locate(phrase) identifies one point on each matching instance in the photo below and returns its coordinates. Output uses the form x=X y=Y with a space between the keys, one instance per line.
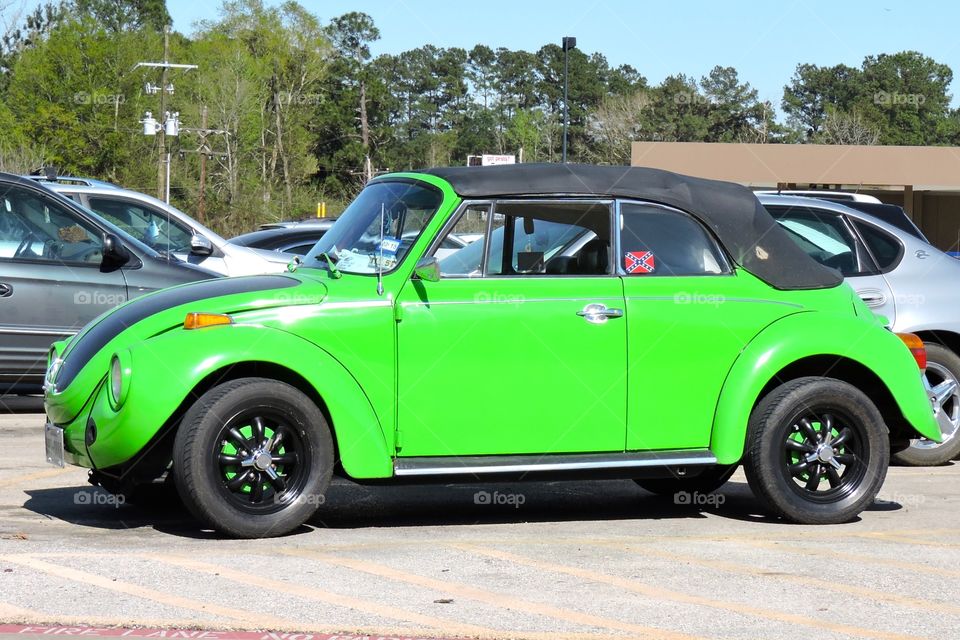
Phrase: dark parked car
x=61 y=266
x=297 y=238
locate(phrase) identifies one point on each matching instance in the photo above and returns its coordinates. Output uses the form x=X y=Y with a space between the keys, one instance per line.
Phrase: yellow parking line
x=312 y=593
x=856 y=558
x=9 y=611
x=906 y=538
x=39 y=475
x=69 y=573
x=829 y=585
x=503 y=601
x=684 y=598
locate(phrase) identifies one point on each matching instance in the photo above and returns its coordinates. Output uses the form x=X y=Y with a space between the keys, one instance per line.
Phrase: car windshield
x=378 y=228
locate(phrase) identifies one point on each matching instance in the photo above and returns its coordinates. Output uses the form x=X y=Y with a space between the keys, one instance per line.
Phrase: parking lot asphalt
x=520 y=560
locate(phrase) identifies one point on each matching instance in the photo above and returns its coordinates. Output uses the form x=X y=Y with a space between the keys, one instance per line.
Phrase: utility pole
x=204 y=149
x=170 y=125
x=568 y=42
x=161 y=136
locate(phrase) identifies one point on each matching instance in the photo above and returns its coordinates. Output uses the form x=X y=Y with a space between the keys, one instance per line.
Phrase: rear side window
x=885 y=248
x=656 y=241
x=824 y=237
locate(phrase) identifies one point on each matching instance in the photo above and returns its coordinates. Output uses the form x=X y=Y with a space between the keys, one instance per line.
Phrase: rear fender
x=810 y=334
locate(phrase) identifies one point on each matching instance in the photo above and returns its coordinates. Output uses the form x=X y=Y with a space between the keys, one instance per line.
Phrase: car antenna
x=380 y=258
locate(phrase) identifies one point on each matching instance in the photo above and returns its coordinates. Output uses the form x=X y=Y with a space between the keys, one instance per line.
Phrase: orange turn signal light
x=197 y=320
x=915 y=344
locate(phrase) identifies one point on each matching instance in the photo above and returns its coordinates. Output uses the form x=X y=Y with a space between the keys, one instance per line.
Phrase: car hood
x=161 y=311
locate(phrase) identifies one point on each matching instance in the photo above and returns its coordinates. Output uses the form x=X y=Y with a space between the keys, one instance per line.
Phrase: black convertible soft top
x=748 y=233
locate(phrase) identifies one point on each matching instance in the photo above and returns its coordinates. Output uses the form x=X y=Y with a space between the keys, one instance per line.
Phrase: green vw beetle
x=600 y=322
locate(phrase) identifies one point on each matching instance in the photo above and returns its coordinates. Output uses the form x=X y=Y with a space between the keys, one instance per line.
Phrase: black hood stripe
x=92 y=340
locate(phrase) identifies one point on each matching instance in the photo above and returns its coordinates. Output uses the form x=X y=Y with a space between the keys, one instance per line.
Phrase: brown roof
x=925 y=168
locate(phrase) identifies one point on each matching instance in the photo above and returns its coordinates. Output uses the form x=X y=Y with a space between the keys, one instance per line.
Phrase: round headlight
x=118 y=384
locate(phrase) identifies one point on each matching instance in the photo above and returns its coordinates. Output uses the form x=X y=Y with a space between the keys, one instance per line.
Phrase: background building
x=925 y=181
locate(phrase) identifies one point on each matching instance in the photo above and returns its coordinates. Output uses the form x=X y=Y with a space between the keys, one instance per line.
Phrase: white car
x=167 y=229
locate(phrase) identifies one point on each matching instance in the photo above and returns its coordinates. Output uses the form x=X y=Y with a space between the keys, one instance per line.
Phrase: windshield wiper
x=331 y=263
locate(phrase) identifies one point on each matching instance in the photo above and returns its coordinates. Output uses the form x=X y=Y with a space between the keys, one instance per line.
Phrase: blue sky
x=764 y=40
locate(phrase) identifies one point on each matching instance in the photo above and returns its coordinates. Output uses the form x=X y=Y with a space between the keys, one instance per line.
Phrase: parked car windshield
x=378 y=228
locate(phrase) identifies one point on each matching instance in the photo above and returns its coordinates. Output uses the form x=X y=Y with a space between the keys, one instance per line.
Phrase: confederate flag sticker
x=639 y=262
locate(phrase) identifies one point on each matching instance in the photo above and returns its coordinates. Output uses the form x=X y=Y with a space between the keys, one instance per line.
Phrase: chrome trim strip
x=719 y=299
x=508 y=299
x=458 y=465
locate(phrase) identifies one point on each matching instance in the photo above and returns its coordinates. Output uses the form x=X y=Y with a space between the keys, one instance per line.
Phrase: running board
x=475 y=465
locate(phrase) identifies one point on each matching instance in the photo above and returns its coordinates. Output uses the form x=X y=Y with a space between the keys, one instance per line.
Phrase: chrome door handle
x=872 y=298
x=597 y=313
x=6 y=290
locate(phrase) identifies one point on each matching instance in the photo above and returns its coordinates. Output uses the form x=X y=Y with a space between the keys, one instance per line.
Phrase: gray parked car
x=900 y=276
x=60 y=267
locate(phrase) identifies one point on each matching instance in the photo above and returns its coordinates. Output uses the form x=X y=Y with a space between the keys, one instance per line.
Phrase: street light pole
x=568 y=42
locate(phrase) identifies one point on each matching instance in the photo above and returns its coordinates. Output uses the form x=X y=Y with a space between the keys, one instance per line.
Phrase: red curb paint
x=182 y=634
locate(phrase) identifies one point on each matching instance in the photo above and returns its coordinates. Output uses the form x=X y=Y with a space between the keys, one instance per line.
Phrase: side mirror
x=200 y=245
x=428 y=268
x=115 y=254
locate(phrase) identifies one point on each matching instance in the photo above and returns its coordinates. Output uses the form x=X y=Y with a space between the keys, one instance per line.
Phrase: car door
x=689 y=315
x=50 y=279
x=519 y=347
x=828 y=238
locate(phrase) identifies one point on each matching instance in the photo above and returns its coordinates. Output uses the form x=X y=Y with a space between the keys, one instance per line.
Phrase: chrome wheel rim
x=260 y=461
x=943 y=389
x=824 y=456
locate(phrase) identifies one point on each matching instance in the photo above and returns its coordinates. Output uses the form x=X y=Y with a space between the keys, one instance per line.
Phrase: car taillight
x=915 y=344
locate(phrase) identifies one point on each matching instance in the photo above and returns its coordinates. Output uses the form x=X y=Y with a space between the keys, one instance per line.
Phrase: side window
x=885 y=248
x=151 y=226
x=824 y=237
x=551 y=238
x=33 y=227
x=460 y=252
x=656 y=241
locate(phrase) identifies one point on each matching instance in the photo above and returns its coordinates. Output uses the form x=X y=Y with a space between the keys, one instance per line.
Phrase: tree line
x=299 y=110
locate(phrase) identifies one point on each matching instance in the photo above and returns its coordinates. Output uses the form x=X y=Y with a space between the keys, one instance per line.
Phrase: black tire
x=941 y=364
x=708 y=481
x=230 y=442
x=792 y=423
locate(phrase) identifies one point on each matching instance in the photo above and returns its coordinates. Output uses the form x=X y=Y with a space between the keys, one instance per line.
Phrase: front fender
x=159 y=382
x=802 y=335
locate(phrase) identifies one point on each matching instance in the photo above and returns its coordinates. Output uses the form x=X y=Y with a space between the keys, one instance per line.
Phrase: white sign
x=490 y=159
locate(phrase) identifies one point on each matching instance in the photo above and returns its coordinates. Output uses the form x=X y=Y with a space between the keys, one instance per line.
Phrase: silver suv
x=900 y=276
x=166 y=228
